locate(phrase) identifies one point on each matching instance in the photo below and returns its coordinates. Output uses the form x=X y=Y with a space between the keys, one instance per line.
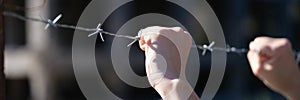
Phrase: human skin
x=166 y=51
x=275 y=65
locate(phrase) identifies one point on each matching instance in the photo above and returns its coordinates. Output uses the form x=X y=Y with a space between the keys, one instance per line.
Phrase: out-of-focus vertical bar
x=37 y=41
x=2 y=77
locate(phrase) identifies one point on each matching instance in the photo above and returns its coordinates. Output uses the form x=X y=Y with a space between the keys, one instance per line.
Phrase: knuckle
x=285 y=42
x=263 y=39
x=177 y=29
x=282 y=44
x=259 y=39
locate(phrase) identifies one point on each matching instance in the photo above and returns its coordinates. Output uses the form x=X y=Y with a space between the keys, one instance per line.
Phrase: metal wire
x=100 y=31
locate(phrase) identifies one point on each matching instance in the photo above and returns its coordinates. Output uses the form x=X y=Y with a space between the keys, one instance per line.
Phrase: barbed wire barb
x=100 y=31
x=50 y=22
x=138 y=37
x=211 y=47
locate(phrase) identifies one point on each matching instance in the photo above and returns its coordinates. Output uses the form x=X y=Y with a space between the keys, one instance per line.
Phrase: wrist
x=293 y=92
x=166 y=86
x=177 y=89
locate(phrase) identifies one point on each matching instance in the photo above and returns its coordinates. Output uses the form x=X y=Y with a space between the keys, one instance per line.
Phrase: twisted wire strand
x=100 y=31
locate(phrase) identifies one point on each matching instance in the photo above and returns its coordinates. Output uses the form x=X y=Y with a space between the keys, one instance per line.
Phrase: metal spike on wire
x=54 y=23
x=100 y=31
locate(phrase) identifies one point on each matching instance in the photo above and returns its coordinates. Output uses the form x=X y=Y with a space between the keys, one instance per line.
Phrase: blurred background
x=38 y=62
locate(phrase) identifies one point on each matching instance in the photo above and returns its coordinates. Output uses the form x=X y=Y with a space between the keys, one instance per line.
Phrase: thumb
x=259 y=62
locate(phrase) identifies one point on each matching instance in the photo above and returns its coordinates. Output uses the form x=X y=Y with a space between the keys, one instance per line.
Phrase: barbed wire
x=98 y=30
x=54 y=23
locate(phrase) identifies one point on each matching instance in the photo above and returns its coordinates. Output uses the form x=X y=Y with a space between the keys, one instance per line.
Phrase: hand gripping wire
x=211 y=47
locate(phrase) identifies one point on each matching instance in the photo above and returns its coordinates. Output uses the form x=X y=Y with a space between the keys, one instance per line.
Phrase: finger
x=251 y=45
x=178 y=29
x=254 y=62
x=262 y=39
x=142 y=43
x=258 y=65
x=262 y=49
x=259 y=42
x=151 y=30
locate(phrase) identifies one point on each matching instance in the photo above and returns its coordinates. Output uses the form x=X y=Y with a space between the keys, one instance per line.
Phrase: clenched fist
x=167 y=50
x=272 y=61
